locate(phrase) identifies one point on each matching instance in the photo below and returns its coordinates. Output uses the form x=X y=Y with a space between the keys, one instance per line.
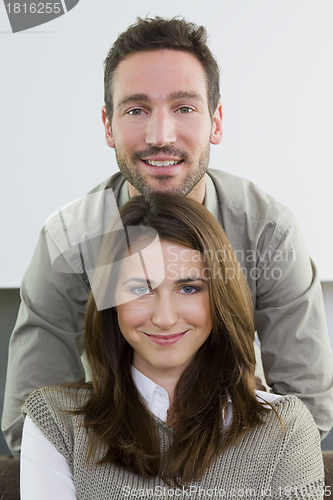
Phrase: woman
x=172 y=408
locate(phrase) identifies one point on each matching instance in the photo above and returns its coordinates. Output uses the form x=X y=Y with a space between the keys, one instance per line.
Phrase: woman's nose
x=164 y=313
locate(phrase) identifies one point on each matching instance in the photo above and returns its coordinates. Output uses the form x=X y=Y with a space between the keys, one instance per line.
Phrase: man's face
x=161 y=128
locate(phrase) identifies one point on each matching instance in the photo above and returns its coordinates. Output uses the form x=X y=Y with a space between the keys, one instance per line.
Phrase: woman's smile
x=166 y=340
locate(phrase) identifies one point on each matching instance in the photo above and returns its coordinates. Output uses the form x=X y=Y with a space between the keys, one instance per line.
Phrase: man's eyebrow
x=180 y=94
x=189 y=280
x=133 y=98
x=184 y=95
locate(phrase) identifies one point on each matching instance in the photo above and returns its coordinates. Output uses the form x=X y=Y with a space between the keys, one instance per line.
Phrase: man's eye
x=185 y=109
x=142 y=290
x=188 y=289
x=135 y=112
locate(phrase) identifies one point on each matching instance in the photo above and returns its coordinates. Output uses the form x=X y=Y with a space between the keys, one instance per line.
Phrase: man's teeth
x=165 y=163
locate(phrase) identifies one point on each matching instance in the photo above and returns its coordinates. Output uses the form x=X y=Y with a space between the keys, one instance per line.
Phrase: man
x=161 y=114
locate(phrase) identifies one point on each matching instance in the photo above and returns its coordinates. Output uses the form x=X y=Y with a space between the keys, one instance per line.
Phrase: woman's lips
x=166 y=340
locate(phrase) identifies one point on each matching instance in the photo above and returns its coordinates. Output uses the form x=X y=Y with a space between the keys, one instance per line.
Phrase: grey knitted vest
x=269 y=462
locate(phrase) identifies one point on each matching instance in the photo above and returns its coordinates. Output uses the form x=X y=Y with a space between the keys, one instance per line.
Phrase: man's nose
x=164 y=314
x=160 y=129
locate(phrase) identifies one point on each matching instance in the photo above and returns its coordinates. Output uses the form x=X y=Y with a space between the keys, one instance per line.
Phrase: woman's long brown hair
x=222 y=370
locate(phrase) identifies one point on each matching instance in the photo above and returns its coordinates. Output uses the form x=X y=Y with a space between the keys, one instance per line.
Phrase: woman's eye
x=142 y=290
x=188 y=289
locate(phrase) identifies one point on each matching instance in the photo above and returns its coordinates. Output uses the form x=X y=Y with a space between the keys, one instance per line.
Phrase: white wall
x=277 y=80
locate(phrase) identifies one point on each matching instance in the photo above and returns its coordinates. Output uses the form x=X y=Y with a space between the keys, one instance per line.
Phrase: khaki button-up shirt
x=46 y=344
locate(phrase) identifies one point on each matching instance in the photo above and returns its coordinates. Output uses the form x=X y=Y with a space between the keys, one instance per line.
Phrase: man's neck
x=197 y=193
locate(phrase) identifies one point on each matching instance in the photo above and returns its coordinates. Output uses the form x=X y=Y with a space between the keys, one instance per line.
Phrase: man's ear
x=216 y=134
x=107 y=128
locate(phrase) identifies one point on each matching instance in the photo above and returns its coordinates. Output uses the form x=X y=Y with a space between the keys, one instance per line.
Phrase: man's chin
x=146 y=190
x=145 y=185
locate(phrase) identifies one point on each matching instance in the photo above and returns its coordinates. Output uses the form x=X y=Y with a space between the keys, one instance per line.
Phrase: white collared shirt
x=155 y=397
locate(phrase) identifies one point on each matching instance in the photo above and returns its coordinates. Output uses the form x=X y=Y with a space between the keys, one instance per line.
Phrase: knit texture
x=268 y=463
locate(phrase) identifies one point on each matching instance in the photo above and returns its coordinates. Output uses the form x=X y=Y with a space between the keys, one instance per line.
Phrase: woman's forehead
x=159 y=260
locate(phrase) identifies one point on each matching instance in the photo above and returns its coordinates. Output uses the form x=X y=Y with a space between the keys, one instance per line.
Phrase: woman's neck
x=167 y=379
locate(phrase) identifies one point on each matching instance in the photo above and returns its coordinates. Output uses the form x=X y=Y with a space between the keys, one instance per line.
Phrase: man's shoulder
x=114 y=182
x=82 y=223
x=238 y=197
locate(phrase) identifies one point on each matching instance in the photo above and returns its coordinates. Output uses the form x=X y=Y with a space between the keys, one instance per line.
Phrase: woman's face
x=165 y=324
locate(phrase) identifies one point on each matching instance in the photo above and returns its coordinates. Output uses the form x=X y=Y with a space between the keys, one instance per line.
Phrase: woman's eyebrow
x=142 y=281
x=189 y=280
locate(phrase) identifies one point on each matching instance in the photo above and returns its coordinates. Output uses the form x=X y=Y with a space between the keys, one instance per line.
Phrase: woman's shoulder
x=288 y=404
x=64 y=398
x=52 y=410
x=295 y=418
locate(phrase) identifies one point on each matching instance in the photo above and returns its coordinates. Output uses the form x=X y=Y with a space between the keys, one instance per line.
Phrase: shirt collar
x=211 y=201
x=155 y=397
x=123 y=194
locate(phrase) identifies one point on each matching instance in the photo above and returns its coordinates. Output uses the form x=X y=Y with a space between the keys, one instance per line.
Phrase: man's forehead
x=173 y=73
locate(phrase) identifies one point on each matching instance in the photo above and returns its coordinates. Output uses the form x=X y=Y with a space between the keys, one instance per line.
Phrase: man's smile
x=162 y=168
x=162 y=163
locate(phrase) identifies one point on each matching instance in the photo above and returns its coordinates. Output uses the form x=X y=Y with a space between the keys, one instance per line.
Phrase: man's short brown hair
x=157 y=33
